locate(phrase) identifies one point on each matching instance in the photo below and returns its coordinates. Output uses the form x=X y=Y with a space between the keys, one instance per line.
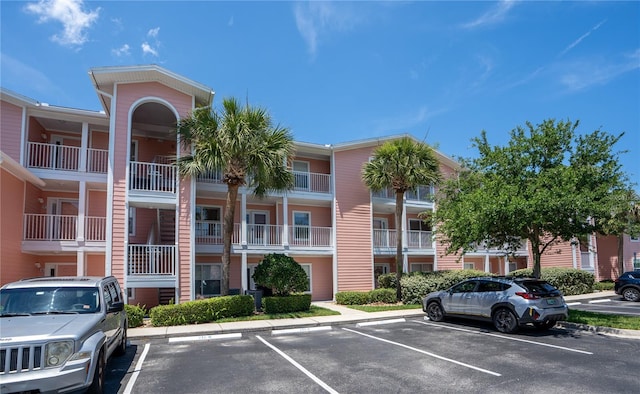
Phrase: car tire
x=545 y=325
x=97 y=385
x=435 y=312
x=505 y=321
x=122 y=346
x=631 y=294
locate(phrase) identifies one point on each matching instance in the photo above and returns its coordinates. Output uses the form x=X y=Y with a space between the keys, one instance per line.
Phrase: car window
x=491 y=286
x=539 y=287
x=464 y=287
x=108 y=299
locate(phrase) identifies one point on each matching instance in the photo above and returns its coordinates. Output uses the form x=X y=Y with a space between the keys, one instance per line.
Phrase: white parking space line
x=598 y=301
x=424 y=352
x=573 y=303
x=300 y=367
x=504 y=337
x=380 y=322
x=300 y=330
x=136 y=371
x=205 y=337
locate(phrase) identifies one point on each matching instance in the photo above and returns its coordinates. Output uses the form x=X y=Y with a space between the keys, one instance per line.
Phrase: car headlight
x=57 y=353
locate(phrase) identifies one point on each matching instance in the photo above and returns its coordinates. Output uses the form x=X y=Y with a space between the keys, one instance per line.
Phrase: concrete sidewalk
x=347 y=316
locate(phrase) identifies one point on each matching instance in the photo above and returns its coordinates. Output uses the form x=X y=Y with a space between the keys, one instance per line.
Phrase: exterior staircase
x=167 y=225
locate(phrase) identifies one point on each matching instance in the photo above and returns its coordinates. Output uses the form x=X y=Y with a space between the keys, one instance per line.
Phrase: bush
x=202 y=311
x=282 y=274
x=417 y=285
x=387 y=281
x=135 y=315
x=287 y=304
x=387 y=296
x=569 y=281
x=352 y=297
x=604 y=285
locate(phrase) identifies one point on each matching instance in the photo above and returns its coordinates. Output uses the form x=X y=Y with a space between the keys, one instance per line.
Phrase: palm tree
x=243 y=145
x=401 y=165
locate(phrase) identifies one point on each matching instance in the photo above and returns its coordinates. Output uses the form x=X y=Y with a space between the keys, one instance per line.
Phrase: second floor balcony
x=265 y=235
x=55 y=232
x=384 y=239
x=49 y=156
x=302 y=181
x=152 y=177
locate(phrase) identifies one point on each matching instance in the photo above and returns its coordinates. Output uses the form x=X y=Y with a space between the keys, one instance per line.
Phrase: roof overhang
x=7 y=163
x=104 y=80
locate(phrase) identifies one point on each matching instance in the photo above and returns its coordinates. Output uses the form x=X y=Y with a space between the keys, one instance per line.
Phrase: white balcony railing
x=311 y=182
x=310 y=236
x=47 y=227
x=152 y=177
x=264 y=234
x=422 y=193
x=208 y=232
x=65 y=158
x=151 y=260
x=414 y=239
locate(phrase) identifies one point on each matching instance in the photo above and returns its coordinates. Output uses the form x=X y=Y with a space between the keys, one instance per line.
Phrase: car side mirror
x=116 y=307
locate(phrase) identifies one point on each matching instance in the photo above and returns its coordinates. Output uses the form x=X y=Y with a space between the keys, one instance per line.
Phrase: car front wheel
x=505 y=321
x=435 y=312
x=631 y=294
x=97 y=385
x=122 y=345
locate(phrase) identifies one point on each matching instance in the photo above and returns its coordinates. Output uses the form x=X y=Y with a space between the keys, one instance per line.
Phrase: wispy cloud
x=122 y=51
x=582 y=37
x=317 y=19
x=230 y=22
x=26 y=78
x=151 y=49
x=581 y=75
x=406 y=122
x=496 y=14
x=70 y=13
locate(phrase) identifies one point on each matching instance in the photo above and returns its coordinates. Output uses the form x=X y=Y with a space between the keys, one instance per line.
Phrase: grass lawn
x=604 y=320
x=313 y=311
x=382 y=308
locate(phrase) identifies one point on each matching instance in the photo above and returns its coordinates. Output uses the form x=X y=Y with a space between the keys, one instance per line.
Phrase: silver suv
x=56 y=333
x=507 y=302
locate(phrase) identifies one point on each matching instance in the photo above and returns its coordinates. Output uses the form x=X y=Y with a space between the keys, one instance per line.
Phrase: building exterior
x=94 y=192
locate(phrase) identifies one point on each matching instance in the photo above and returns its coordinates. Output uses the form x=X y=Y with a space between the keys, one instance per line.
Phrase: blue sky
x=340 y=71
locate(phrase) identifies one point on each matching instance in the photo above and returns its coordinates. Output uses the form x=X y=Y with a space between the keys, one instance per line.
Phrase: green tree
x=282 y=274
x=624 y=220
x=242 y=144
x=401 y=165
x=547 y=185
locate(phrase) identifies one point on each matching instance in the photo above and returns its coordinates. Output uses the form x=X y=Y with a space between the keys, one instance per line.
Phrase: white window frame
x=421 y=267
x=131 y=222
x=293 y=220
x=384 y=223
x=634 y=239
x=307 y=269
x=468 y=266
x=297 y=172
x=200 y=207
x=219 y=265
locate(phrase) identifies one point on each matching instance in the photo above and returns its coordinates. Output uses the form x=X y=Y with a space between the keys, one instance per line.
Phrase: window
x=132 y=221
x=207 y=282
x=419 y=225
x=421 y=267
x=468 y=266
x=301 y=175
x=492 y=286
x=635 y=239
x=131 y=293
x=464 y=287
x=301 y=225
x=208 y=221
x=307 y=270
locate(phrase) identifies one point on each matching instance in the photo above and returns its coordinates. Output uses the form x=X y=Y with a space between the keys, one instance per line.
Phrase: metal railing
x=46 y=227
x=97 y=160
x=422 y=193
x=208 y=232
x=152 y=177
x=95 y=228
x=151 y=260
x=264 y=234
x=52 y=156
x=311 y=182
x=414 y=239
x=310 y=236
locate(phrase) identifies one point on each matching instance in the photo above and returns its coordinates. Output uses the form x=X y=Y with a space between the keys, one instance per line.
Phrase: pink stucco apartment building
x=94 y=193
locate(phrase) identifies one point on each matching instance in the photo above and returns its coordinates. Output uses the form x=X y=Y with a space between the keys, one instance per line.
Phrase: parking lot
x=612 y=305
x=400 y=355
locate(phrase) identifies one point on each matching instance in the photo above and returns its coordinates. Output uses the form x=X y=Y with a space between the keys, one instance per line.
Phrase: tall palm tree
x=401 y=165
x=243 y=145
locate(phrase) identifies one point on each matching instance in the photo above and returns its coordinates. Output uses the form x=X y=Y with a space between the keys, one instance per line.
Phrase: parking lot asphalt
x=347 y=316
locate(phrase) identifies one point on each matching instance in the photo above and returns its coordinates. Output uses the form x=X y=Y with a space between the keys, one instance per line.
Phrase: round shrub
x=386 y=296
x=282 y=274
x=387 y=281
x=352 y=297
x=135 y=315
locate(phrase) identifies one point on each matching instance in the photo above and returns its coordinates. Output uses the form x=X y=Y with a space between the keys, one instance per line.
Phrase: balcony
x=65 y=158
x=414 y=239
x=46 y=227
x=422 y=193
x=302 y=181
x=152 y=177
x=265 y=235
x=151 y=265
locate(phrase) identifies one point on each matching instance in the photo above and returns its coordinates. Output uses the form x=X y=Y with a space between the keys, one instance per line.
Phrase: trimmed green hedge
x=202 y=311
x=387 y=296
x=286 y=304
x=135 y=315
x=569 y=281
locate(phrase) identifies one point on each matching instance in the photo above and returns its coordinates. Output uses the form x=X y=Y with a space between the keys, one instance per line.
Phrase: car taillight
x=527 y=296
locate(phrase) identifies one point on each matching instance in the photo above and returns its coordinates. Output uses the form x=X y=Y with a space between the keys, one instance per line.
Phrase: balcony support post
x=82 y=203
x=285 y=221
x=84 y=145
x=80 y=263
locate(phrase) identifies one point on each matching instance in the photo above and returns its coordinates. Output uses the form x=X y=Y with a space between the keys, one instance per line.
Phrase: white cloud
x=22 y=78
x=495 y=15
x=582 y=37
x=581 y=75
x=317 y=19
x=147 y=49
x=404 y=123
x=122 y=51
x=70 y=13
x=153 y=32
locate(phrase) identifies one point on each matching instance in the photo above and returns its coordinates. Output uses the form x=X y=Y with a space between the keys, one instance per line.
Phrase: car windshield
x=48 y=300
x=540 y=288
